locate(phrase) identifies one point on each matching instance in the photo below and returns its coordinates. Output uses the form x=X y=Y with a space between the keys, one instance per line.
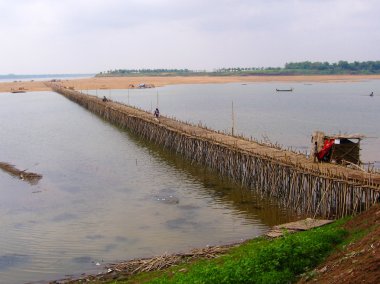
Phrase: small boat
x=284 y=90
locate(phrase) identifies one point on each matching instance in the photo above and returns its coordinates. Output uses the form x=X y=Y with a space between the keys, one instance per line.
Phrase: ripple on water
x=64 y=217
x=83 y=259
x=167 y=196
x=189 y=207
x=167 y=199
x=8 y=261
x=180 y=223
x=95 y=237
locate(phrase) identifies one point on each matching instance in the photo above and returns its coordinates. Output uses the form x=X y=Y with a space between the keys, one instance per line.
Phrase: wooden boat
x=284 y=90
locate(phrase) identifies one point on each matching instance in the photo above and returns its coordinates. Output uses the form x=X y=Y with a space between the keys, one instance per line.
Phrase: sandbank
x=27 y=86
x=126 y=82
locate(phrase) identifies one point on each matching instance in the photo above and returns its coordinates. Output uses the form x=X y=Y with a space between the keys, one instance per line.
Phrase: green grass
x=257 y=261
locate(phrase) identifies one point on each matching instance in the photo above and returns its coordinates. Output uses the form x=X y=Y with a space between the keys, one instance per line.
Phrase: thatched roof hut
x=336 y=148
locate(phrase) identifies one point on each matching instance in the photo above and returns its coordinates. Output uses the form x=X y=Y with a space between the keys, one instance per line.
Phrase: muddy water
x=105 y=195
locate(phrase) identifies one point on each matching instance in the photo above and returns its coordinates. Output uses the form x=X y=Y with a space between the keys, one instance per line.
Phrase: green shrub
x=264 y=261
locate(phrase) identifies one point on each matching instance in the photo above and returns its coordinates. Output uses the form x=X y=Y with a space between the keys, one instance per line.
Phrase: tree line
x=341 y=66
x=291 y=68
x=145 y=71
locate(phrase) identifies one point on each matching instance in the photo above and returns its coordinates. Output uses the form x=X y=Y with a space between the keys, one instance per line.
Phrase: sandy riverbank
x=125 y=82
x=27 y=86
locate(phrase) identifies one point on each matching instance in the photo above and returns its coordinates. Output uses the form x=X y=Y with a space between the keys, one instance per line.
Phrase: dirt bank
x=125 y=82
x=357 y=262
x=124 y=270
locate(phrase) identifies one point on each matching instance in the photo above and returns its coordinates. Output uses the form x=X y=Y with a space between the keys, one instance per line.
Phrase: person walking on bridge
x=315 y=152
x=157 y=113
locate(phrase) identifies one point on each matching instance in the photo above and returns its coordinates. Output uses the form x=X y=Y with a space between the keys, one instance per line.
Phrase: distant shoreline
x=158 y=81
x=11 y=77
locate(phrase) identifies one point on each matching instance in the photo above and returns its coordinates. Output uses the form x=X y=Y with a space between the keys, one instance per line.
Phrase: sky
x=90 y=36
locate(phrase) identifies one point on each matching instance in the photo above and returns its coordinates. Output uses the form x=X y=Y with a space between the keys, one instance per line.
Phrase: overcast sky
x=80 y=36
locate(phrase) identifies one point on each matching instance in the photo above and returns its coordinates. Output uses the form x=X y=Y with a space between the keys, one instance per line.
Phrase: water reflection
x=247 y=202
x=12 y=260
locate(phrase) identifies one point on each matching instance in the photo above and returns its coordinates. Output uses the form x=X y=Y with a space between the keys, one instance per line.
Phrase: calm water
x=105 y=195
x=288 y=118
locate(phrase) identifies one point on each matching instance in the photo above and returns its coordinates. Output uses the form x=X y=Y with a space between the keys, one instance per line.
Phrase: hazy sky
x=78 y=36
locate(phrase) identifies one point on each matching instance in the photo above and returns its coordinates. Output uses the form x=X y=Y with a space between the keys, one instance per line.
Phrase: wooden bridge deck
x=254 y=148
x=280 y=155
x=318 y=189
x=251 y=147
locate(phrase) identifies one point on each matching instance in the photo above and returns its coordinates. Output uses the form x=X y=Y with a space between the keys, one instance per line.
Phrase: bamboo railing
x=315 y=189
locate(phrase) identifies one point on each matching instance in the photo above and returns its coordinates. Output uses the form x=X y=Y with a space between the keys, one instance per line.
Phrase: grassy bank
x=343 y=252
x=257 y=261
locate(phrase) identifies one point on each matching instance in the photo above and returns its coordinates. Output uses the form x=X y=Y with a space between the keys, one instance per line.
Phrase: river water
x=105 y=194
x=287 y=118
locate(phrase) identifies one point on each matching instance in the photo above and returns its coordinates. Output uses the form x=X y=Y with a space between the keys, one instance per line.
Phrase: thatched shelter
x=337 y=148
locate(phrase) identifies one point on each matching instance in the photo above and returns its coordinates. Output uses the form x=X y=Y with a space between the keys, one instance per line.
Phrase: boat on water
x=284 y=90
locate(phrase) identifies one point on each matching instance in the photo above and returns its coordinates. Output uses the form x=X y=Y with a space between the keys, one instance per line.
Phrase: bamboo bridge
x=316 y=189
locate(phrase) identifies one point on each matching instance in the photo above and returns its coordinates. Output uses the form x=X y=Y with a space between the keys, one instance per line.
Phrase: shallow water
x=105 y=195
x=288 y=118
